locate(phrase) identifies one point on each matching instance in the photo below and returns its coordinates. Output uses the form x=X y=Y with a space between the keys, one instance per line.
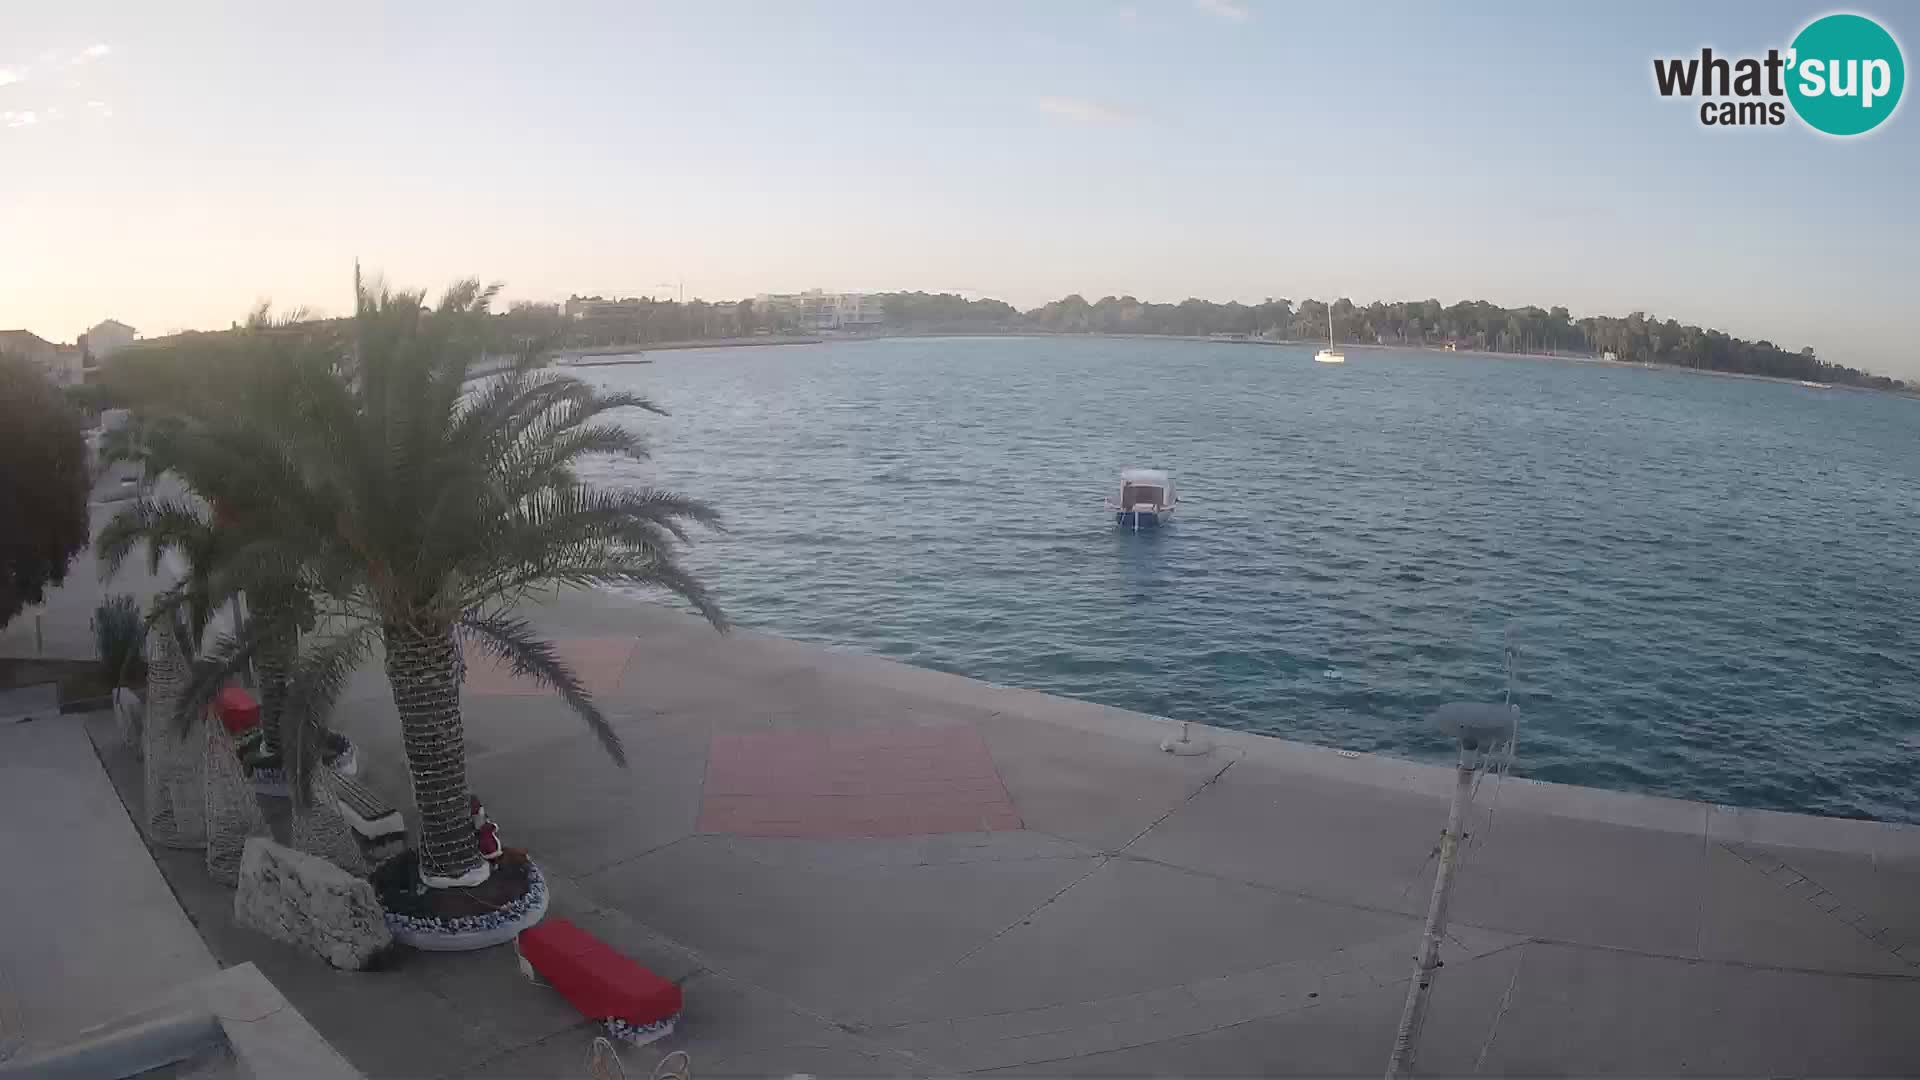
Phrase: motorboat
x=1146 y=499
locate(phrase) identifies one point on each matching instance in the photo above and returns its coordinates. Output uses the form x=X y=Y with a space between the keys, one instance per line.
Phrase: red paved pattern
x=599 y=662
x=902 y=781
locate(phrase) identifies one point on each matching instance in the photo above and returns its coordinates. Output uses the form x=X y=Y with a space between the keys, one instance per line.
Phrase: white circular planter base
x=476 y=931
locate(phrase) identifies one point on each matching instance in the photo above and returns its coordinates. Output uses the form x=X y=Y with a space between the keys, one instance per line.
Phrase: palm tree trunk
x=423 y=670
x=272 y=663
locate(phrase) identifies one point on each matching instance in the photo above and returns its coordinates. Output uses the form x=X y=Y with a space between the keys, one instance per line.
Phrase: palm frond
x=162 y=524
x=314 y=684
x=520 y=408
x=616 y=571
x=550 y=463
x=512 y=640
x=636 y=518
x=549 y=535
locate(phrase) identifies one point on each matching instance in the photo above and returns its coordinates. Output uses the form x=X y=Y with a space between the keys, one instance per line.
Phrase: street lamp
x=1483 y=732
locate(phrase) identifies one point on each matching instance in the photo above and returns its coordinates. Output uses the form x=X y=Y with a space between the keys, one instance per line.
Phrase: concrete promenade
x=857 y=867
x=90 y=928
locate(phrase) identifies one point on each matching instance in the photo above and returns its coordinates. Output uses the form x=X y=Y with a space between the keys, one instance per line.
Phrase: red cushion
x=238 y=711
x=593 y=978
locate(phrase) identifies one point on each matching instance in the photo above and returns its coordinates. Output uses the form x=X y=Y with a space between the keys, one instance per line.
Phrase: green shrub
x=43 y=486
x=121 y=634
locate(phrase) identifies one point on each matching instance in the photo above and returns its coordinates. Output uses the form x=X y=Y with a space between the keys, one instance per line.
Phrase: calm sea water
x=1711 y=582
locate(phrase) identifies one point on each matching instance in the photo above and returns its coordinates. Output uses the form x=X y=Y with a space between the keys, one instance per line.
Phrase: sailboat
x=1328 y=355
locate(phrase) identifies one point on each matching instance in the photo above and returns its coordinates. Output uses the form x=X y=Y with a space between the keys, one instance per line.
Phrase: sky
x=172 y=165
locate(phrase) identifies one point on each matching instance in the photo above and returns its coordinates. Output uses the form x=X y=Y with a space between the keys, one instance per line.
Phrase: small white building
x=107 y=338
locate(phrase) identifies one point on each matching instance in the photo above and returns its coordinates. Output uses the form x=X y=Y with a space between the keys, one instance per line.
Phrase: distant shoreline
x=574 y=355
x=1572 y=358
x=641 y=347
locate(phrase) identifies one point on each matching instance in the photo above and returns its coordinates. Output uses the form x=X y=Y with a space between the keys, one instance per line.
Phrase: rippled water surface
x=1710 y=581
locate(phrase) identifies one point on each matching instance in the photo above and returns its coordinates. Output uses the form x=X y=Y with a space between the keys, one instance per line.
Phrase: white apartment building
x=817 y=309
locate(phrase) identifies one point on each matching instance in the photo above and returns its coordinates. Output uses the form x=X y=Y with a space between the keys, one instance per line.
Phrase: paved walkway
x=90 y=928
x=855 y=867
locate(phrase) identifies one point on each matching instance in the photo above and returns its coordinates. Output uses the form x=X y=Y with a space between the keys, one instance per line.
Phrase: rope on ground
x=683 y=1070
x=603 y=1063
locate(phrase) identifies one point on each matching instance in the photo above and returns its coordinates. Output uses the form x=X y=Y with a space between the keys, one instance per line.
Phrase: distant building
x=816 y=309
x=26 y=343
x=106 y=338
x=69 y=366
x=61 y=364
x=854 y=311
x=596 y=307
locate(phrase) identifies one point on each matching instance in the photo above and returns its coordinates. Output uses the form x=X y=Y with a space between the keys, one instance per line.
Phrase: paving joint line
x=1853 y=918
x=1101 y=861
x=1239 y=755
x=1296 y=894
x=1745 y=965
x=654 y=850
x=1506 y=1002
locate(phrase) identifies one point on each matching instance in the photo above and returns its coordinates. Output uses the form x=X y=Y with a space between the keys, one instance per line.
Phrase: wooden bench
x=634 y=1003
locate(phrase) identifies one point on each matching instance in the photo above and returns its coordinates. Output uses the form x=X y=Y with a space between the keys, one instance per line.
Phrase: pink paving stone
x=599 y=662
x=900 y=781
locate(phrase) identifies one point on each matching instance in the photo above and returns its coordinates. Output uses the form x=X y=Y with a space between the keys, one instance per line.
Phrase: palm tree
x=203 y=430
x=426 y=508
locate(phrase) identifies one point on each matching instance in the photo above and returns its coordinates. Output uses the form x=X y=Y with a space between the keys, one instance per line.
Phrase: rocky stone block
x=307 y=901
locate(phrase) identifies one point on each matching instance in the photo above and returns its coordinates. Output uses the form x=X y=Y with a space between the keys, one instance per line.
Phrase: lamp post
x=679 y=301
x=1480 y=731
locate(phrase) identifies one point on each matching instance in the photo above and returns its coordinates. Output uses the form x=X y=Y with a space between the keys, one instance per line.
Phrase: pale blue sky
x=212 y=155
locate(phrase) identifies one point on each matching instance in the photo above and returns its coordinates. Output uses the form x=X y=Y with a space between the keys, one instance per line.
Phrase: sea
x=1708 y=584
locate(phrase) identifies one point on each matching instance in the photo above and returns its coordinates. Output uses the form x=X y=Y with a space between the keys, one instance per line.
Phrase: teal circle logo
x=1845 y=74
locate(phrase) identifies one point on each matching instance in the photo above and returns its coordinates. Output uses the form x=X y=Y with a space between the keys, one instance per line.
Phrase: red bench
x=633 y=1002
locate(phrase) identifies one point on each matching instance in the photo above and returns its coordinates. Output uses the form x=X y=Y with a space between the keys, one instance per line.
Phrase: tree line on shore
x=1470 y=324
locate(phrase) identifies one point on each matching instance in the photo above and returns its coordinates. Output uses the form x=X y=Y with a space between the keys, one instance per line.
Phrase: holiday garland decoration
x=410 y=928
x=640 y=1034
x=402 y=883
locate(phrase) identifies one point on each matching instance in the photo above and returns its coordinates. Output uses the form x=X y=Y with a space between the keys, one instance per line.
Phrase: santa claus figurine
x=485 y=832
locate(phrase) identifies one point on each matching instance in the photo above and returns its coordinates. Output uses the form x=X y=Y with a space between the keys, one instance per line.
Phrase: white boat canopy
x=1145 y=487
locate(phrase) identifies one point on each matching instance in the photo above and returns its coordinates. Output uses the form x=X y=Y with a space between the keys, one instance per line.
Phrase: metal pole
x=1428 y=961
